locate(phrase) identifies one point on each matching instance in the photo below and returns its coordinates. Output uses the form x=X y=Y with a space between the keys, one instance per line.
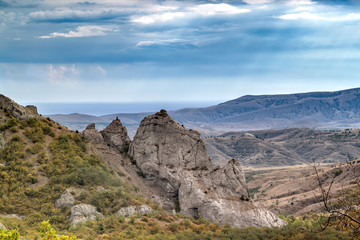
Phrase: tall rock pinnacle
x=116 y=135
x=176 y=161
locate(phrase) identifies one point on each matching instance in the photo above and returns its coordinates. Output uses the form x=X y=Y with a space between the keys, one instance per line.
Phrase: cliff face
x=175 y=160
x=17 y=110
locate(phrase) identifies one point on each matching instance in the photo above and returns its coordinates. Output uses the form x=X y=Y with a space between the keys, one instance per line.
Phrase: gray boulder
x=115 y=135
x=2 y=226
x=90 y=133
x=141 y=210
x=83 y=212
x=176 y=163
x=66 y=200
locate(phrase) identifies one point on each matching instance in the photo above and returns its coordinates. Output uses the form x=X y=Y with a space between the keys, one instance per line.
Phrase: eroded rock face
x=66 y=200
x=115 y=135
x=17 y=110
x=91 y=134
x=176 y=161
x=127 y=211
x=83 y=212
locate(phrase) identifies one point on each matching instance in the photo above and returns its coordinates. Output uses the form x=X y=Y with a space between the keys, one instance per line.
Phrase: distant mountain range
x=318 y=110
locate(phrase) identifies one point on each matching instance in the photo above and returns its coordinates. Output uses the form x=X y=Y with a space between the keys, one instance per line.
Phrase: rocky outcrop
x=17 y=110
x=12 y=216
x=66 y=200
x=115 y=135
x=141 y=210
x=2 y=140
x=175 y=161
x=91 y=134
x=83 y=212
x=2 y=226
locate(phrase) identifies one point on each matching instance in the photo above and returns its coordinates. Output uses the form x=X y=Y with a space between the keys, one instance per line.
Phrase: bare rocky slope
x=285 y=147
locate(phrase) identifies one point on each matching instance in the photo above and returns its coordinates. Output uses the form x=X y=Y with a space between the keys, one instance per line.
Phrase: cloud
x=216 y=9
x=83 y=31
x=6 y=17
x=161 y=42
x=300 y=2
x=297 y=2
x=62 y=74
x=198 y=10
x=154 y=18
x=324 y=17
x=74 y=15
x=257 y=1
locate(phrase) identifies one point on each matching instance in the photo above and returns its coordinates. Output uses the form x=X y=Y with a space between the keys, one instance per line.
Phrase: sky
x=133 y=51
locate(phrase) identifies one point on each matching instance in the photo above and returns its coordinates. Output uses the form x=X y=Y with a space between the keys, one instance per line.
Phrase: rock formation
x=175 y=161
x=91 y=134
x=127 y=211
x=83 y=212
x=17 y=110
x=115 y=135
x=12 y=216
x=66 y=200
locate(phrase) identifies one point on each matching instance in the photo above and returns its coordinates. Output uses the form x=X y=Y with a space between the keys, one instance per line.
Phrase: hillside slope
x=285 y=147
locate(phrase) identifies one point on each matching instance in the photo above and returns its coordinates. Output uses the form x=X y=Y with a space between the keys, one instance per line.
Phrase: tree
x=342 y=207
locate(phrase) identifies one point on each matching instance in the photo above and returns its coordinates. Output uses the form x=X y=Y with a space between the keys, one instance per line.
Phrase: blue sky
x=175 y=51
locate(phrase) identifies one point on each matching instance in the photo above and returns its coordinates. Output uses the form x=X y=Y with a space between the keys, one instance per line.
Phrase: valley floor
x=294 y=190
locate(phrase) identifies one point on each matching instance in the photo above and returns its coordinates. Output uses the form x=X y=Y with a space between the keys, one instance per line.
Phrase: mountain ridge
x=318 y=110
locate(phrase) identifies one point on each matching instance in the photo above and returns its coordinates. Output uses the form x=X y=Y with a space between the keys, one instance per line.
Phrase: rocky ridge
x=175 y=162
x=17 y=110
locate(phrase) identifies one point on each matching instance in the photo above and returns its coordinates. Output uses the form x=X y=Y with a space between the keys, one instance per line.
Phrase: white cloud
x=67 y=13
x=100 y=2
x=198 y=10
x=302 y=15
x=215 y=9
x=324 y=17
x=154 y=18
x=158 y=42
x=83 y=31
x=300 y=2
x=297 y=2
x=257 y=1
x=62 y=74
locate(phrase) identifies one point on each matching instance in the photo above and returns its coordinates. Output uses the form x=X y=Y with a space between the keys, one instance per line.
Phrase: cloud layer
x=145 y=45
